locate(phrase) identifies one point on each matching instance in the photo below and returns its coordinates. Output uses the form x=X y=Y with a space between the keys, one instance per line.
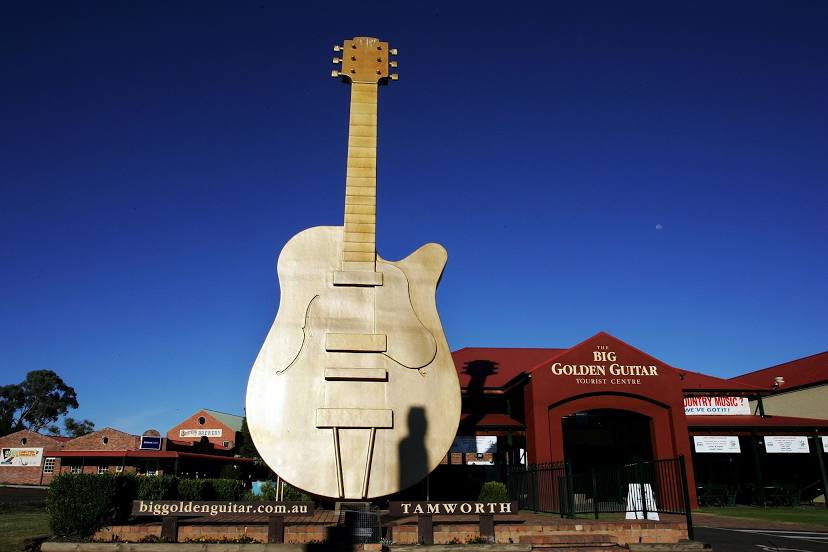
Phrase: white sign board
x=825 y=444
x=717 y=443
x=199 y=433
x=480 y=444
x=716 y=406
x=634 y=506
x=787 y=444
x=21 y=456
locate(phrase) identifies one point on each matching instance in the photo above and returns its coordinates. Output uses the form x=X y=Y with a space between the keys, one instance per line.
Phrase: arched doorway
x=603 y=438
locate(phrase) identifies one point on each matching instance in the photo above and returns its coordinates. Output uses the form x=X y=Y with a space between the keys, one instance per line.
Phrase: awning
x=756 y=422
x=490 y=421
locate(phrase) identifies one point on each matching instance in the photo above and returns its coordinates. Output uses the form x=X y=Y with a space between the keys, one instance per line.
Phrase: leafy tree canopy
x=36 y=402
x=73 y=428
x=247 y=448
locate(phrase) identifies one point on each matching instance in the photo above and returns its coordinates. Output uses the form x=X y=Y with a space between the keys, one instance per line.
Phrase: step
x=457 y=548
x=681 y=546
x=555 y=539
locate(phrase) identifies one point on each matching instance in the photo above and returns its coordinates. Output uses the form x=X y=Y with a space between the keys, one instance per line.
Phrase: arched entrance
x=603 y=438
x=657 y=416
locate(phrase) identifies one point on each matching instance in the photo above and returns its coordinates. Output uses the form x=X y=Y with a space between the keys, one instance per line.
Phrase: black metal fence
x=641 y=488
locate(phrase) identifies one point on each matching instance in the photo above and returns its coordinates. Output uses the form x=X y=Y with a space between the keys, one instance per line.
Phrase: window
x=77 y=468
x=226 y=444
x=105 y=440
x=49 y=465
x=119 y=469
x=103 y=469
x=23 y=441
x=201 y=420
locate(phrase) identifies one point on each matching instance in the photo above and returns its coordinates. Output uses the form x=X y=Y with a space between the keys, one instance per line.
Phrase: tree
x=36 y=402
x=247 y=447
x=75 y=428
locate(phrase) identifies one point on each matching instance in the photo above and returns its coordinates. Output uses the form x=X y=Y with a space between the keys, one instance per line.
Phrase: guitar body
x=354 y=393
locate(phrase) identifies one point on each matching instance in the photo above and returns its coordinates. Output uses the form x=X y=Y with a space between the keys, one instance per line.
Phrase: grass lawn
x=816 y=516
x=15 y=526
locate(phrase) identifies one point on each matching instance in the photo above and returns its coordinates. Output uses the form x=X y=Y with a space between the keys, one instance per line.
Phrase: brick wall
x=26 y=475
x=105 y=439
x=210 y=422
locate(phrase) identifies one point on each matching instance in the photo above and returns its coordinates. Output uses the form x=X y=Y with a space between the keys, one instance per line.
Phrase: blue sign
x=150 y=443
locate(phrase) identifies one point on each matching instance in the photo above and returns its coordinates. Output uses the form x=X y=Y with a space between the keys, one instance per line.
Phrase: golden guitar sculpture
x=354 y=394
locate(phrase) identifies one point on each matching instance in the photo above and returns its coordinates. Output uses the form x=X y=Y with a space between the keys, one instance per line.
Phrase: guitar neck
x=359 y=251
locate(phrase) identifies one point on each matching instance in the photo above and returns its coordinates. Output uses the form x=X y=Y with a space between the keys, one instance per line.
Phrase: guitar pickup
x=357 y=278
x=356 y=343
x=356 y=374
x=354 y=418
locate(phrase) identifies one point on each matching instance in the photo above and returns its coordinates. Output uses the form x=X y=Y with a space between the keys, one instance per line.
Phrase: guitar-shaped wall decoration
x=354 y=394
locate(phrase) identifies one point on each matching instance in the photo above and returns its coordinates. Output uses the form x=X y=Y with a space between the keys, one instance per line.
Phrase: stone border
x=197 y=547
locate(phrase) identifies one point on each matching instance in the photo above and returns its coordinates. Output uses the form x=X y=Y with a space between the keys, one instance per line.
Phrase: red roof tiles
x=693 y=381
x=488 y=367
x=802 y=372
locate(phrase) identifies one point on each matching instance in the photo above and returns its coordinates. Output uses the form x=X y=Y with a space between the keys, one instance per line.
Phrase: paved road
x=763 y=540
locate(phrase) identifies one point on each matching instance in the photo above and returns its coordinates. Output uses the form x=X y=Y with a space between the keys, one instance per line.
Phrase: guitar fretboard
x=359 y=246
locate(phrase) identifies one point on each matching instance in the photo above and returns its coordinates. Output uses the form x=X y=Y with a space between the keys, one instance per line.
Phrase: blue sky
x=654 y=170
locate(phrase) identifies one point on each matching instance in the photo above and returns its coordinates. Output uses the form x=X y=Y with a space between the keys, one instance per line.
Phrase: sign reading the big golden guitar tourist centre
x=605 y=369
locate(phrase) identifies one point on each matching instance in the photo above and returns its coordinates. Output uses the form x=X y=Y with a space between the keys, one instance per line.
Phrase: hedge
x=227 y=489
x=160 y=487
x=195 y=489
x=80 y=504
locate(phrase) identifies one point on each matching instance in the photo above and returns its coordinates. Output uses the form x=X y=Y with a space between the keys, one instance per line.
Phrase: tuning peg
x=335 y=73
x=337 y=48
x=392 y=63
x=337 y=60
x=394 y=76
x=393 y=51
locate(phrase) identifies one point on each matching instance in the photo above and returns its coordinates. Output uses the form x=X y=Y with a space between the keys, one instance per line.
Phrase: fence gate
x=642 y=488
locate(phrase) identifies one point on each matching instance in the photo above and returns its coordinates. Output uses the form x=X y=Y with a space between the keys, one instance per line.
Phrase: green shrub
x=270 y=491
x=493 y=491
x=230 y=471
x=227 y=489
x=293 y=494
x=80 y=504
x=195 y=489
x=159 y=487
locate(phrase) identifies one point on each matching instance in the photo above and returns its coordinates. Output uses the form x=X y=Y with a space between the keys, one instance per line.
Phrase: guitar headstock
x=365 y=59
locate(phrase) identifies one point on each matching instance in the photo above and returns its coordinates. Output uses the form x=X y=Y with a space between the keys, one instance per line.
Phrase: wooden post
x=487 y=530
x=425 y=529
x=276 y=530
x=169 y=529
x=822 y=474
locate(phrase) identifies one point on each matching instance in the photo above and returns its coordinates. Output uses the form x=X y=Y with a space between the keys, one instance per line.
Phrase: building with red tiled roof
x=30 y=458
x=800 y=387
x=604 y=402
